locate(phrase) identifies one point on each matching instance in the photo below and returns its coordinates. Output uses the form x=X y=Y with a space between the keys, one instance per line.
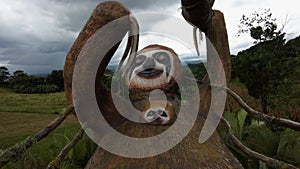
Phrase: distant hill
x=295 y=43
x=193 y=60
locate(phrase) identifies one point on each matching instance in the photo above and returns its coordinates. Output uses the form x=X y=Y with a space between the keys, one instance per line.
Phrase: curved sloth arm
x=103 y=14
x=198 y=13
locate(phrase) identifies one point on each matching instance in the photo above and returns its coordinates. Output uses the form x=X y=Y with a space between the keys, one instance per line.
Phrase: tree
x=4 y=74
x=23 y=83
x=19 y=73
x=266 y=67
x=262 y=27
x=56 y=78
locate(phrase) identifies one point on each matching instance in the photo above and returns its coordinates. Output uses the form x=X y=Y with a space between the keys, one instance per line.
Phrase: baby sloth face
x=160 y=113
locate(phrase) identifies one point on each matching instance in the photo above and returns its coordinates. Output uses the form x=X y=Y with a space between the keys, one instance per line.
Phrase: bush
x=35 y=89
x=33 y=84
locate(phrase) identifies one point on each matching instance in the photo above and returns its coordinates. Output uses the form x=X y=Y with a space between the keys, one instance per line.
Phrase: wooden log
x=103 y=14
x=198 y=13
x=218 y=37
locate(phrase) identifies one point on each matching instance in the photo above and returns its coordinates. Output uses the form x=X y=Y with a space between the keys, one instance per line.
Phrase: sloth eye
x=161 y=56
x=140 y=59
x=150 y=113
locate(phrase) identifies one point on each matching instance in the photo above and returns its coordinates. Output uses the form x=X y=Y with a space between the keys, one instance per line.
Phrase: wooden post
x=102 y=14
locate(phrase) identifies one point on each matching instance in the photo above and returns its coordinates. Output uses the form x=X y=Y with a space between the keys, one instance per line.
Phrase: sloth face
x=152 y=69
x=157 y=116
x=160 y=114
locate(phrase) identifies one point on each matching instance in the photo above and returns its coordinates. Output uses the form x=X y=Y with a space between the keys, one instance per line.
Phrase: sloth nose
x=162 y=114
x=149 y=63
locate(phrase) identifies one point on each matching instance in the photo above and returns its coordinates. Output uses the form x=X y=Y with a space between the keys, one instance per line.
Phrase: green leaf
x=261 y=139
x=289 y=147
x=242 y=115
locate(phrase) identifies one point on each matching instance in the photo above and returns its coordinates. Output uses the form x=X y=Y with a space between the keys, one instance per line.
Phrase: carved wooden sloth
x=153 y=68
x=188 y=154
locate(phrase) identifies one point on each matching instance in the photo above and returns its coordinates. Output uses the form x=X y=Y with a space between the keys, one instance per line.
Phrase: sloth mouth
x=150 y=73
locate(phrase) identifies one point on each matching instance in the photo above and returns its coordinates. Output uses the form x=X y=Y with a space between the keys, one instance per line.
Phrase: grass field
x=16 y=125
x=31 y=103
x=23 y=115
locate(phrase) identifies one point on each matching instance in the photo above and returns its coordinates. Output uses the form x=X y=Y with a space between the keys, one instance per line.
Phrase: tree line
x=21 y=82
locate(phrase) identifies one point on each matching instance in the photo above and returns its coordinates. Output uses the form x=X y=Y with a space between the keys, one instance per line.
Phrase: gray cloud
x=35 y=35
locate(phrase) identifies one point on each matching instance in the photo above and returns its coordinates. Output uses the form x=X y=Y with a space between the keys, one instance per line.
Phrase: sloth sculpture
x=154 y=67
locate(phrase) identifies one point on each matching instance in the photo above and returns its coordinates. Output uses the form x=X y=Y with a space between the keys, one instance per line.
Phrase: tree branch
x=270 y=119
x=16 y=152
x=55 y=164
x=270 y=162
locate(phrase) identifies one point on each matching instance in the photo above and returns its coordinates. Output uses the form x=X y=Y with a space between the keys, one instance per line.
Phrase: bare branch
x=270 y=119
x=61 y=156
x=16 y=152
x=270 y=162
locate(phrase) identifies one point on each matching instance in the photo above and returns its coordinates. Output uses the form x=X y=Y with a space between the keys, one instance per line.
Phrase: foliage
x=35 y=89
x=295 y=44
x=4 y=75
x=289 y=146
x=46 y=150
x=198 y=70
x=19 y=73
x=266 y=69
x=237 y=120
x=283 y=145
x=21 y=82
x=262 y=27
x=56 y=78
x=81 y=153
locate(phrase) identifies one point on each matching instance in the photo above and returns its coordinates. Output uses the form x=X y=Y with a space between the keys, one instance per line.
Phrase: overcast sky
x=35 y=35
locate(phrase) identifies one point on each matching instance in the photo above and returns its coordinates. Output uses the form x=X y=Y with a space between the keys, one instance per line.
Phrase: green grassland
x=31 y=103
x=23 y=115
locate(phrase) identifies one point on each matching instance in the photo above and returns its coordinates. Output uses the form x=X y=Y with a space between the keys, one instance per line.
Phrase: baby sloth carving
x=160 y=113
x=155 y=67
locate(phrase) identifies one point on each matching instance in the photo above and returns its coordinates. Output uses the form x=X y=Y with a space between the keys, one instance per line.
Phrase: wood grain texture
x=103 y=14
x=189 y=154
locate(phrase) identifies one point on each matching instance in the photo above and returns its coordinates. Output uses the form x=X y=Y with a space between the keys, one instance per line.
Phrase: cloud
x=146 y=5
x=39 y=34
x=36 y=35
